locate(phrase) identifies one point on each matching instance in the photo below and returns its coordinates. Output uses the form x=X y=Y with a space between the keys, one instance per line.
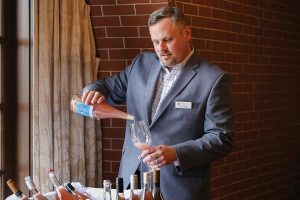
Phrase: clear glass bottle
x=15 y=189
x=62 y=193
x=31 y=186
x=106 y=190
x=146 y=192
x=77 y=194
x=98 y=111
x=134 y=187
x=119 y=189
x=156 y=185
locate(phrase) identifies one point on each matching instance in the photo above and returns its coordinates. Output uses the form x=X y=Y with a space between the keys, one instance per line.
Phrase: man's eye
x=168 y=39
x=155 y=42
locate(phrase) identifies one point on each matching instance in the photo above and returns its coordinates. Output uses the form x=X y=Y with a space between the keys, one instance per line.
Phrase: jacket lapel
x=184 y=78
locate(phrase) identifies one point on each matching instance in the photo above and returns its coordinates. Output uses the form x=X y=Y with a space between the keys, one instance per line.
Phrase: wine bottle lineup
x=68 y=192
x=99 y=111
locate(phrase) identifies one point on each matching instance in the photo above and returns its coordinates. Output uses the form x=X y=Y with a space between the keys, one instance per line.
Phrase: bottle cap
x=133 y=181
x=69 y=187
x=156 y=175
x=146 y=177
x=119 y=184
x=12 y=185
x=30 y=184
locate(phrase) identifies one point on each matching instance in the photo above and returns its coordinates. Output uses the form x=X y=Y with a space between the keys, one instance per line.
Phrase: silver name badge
x=183 y=104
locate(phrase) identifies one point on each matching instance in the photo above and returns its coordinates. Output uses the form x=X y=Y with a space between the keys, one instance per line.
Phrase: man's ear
x=187 y=31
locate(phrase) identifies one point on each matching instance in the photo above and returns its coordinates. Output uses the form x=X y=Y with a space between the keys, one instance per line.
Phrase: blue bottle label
x=83 y=109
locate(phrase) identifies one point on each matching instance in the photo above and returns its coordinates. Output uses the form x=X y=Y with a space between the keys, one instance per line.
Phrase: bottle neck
x=106 y=190
x=54 y=180
x=146 y=186
x=34 y=191
x=31 y=186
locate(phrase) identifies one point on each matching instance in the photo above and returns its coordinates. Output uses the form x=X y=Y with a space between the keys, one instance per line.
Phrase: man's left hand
x=159 y=156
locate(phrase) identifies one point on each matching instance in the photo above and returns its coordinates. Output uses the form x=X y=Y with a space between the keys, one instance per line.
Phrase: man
x=186 y=102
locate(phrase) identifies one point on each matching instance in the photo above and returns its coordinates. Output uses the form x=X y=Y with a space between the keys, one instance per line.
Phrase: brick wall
x=258 y=43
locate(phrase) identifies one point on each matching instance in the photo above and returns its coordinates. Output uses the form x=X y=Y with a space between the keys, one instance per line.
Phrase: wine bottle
x=156 y=185
x=99 y=111
x=15 y=189
x=76 y=194
x=146 y=192
x=31 y=186
x=119 y=189
x=134 y=187
x=62 y=193
x=106 y=190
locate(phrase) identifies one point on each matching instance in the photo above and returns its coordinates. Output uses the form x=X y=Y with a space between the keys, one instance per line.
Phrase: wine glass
x=140 y=136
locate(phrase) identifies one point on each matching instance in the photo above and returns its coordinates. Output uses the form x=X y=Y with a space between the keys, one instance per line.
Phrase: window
x=1 y=128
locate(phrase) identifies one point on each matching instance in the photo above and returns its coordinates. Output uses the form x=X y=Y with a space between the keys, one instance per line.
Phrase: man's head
x=170 y=35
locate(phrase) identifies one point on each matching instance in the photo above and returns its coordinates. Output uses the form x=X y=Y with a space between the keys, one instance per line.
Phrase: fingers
x=92 y=97
x=159 y=156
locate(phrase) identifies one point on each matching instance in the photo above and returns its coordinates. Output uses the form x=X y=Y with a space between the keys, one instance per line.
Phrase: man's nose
x=162 y=46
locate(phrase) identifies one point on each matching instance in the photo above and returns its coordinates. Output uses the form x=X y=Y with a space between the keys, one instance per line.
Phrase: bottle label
x=83 y=109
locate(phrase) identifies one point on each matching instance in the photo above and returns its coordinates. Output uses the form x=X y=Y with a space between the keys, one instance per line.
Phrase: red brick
x=190 y=9
x=204 y=11
x=144 y=31
x=112 y=65
x=103 y=54
x=104 y=122
x=147 y=9
x=117 y=144
x=138 y=43
x=112 y=155
x=123 y=53
x=118 y=123
x=115 y=166
x=102 y=2
x=105 y=21
x=140 y=20
x=95 y=11
x=132 y=1
x=99 y=32
x=106 y=166
x=106 y=143
x=102 y=75
x=113 y=133
x=212 y=3
x=218 y=14
x=118 y=10
x=122 y=31
x=110 y=43
x=198 y=21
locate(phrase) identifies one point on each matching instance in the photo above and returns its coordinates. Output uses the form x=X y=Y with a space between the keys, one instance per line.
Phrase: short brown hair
x=173 y=12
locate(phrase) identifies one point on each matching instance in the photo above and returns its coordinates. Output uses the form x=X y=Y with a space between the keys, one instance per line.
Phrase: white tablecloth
x=92 y=193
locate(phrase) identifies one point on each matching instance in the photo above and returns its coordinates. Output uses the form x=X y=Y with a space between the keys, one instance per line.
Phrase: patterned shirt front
x=166 y=79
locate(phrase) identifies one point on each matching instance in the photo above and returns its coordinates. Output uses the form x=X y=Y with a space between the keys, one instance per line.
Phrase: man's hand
x=92 y=97
x=159 y=156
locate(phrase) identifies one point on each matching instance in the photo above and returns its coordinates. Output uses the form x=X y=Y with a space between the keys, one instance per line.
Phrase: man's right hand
x=92 y=97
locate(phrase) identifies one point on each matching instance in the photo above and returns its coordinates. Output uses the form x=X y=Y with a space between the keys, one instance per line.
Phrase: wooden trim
x=16 y=90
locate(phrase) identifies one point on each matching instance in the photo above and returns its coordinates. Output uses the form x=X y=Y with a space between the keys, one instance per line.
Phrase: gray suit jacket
x=200 y=134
